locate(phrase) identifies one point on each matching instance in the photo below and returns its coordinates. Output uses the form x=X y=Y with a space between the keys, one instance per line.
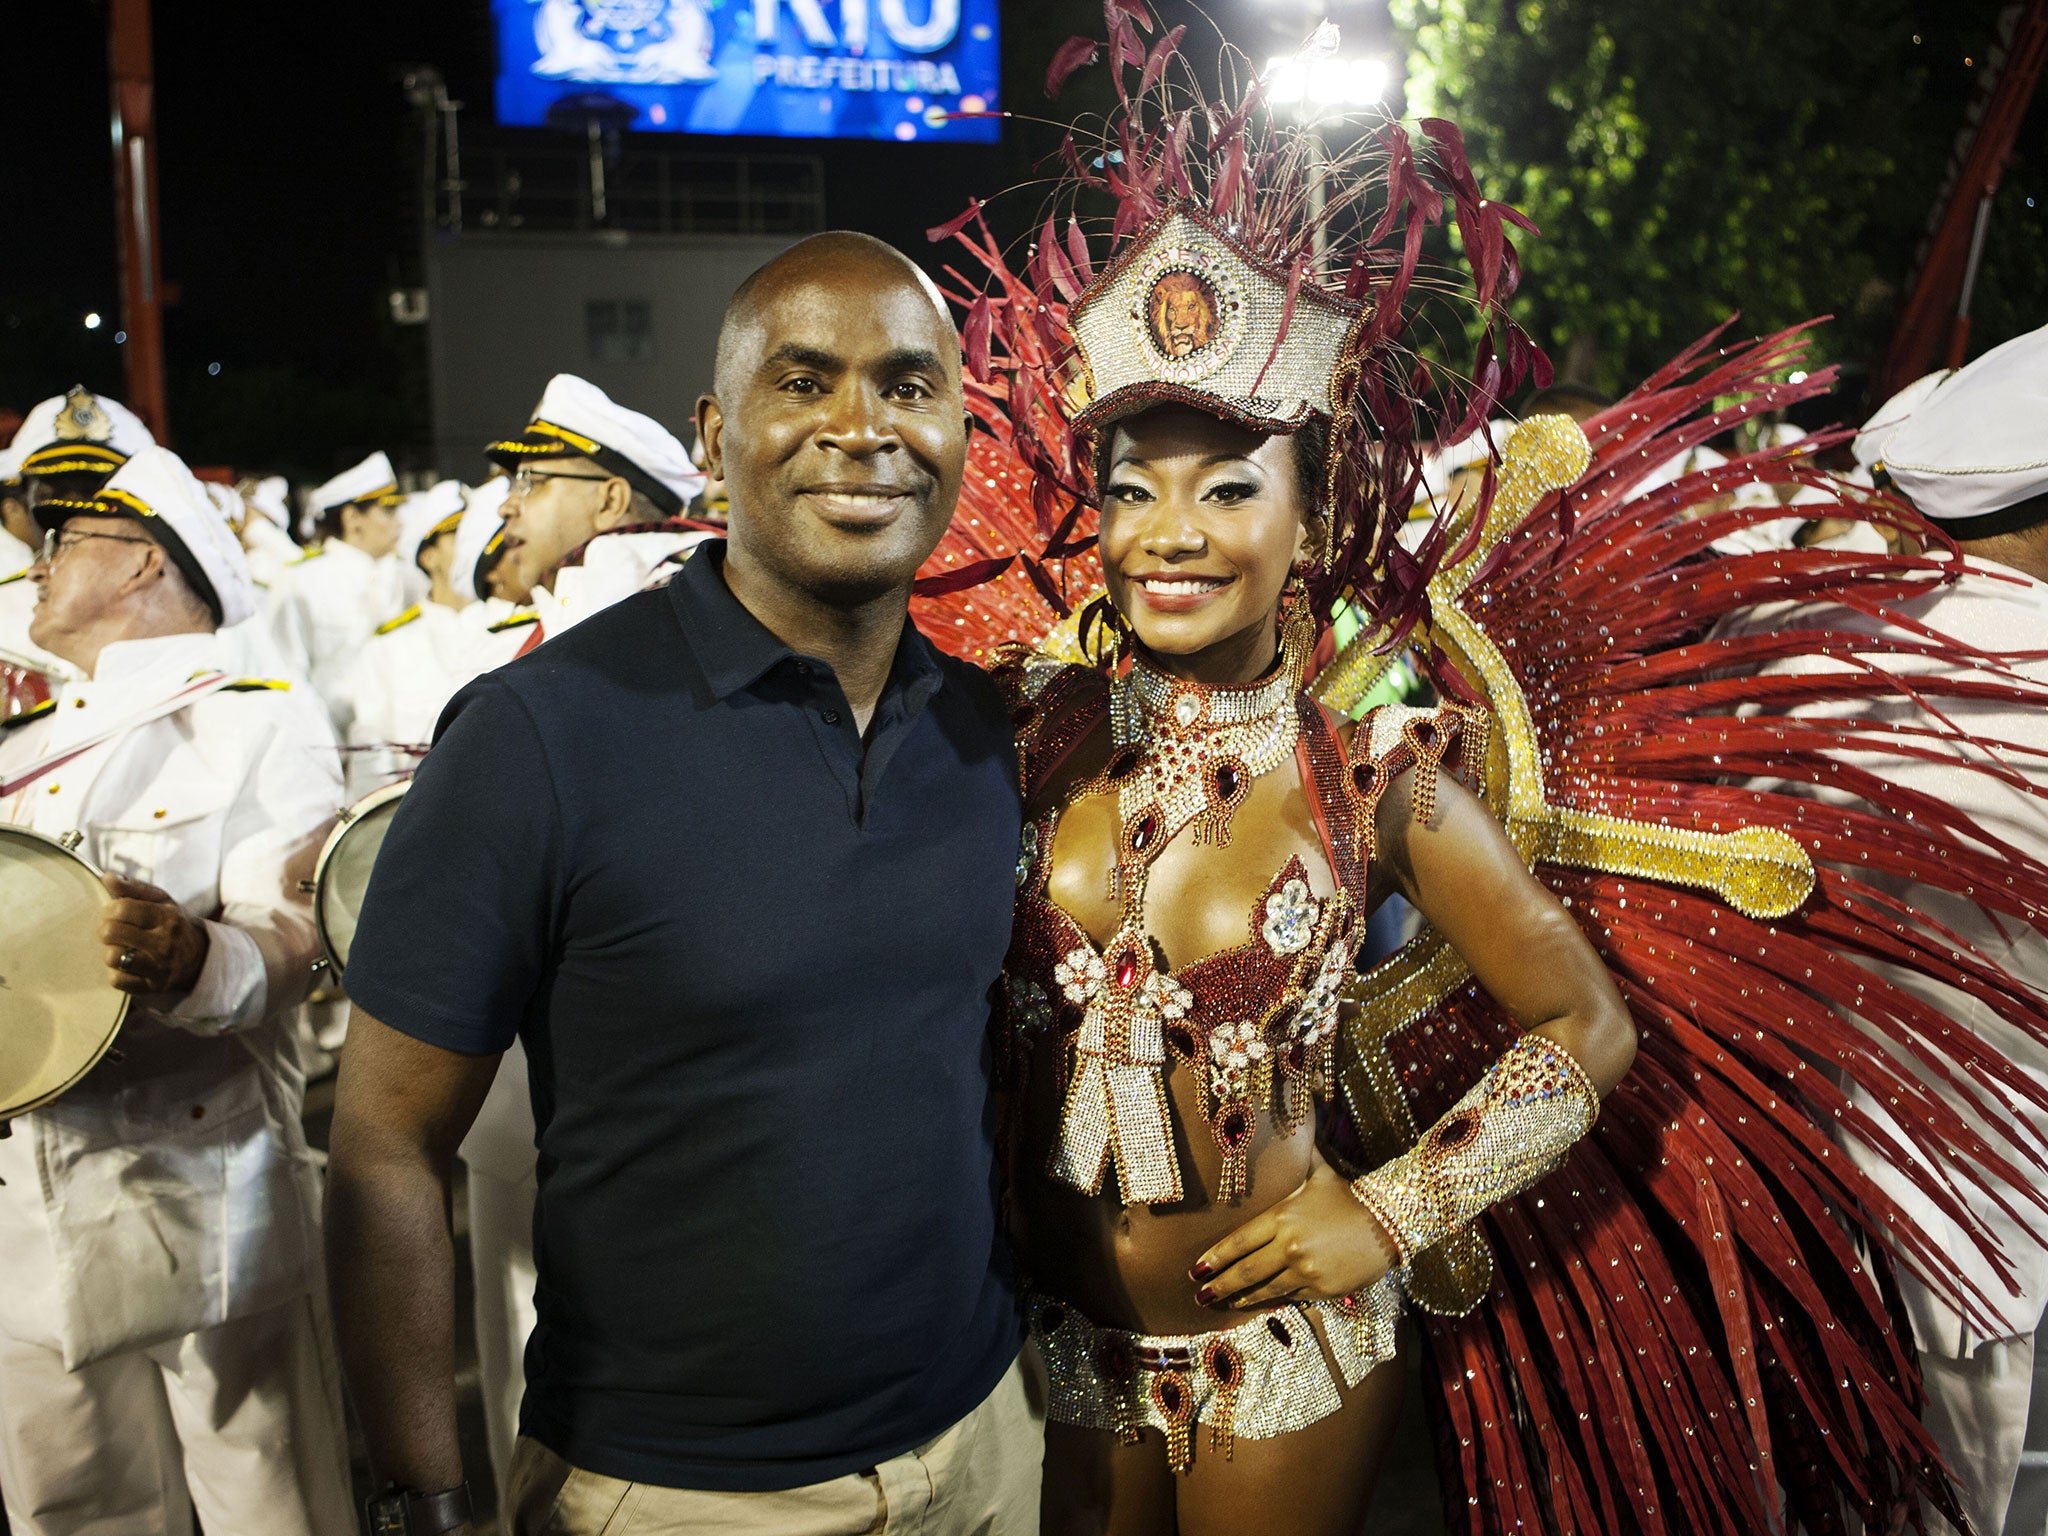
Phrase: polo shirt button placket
x=831 y=717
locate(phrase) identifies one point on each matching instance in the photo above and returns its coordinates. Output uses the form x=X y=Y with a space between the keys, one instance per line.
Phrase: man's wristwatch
x=408 y=1512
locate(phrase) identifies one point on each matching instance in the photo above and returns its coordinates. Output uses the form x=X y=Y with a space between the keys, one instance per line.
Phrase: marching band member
x=594 y=490
x=164 y=1343
x=327 y=602
x=1963 y=448
x=415 y=660
x=266 y=528
x=67 y=445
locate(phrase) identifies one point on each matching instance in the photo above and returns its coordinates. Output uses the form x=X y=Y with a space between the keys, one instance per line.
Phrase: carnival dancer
x=1671 y=1335
x=164 y=1342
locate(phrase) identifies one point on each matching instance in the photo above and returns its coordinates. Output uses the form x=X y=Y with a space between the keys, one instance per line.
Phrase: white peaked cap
x=1979 y=444
x=367 y=481
x=158 y=491
x=481 y=520
x=1888 y=418
x=576 y=417
x=39 y=429
x=272 y=496
x=225 y=501
x=424 y=511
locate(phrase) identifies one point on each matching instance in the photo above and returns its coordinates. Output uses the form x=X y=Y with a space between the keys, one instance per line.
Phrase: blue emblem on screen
x=864 y=69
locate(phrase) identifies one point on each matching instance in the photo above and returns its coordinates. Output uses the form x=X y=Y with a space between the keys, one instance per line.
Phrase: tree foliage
x=1686 y=161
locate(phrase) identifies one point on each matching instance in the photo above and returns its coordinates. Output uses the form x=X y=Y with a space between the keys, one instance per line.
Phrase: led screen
x=859 y=69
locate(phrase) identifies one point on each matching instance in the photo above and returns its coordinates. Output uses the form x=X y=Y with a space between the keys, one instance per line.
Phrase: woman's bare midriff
x=1127 y=1266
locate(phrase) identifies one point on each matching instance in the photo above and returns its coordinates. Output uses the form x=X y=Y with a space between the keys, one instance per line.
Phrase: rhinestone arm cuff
x=1513 y=1128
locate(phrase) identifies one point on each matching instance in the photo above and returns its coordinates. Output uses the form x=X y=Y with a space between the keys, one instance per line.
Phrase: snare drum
x=343 y=873
x=59 y=1011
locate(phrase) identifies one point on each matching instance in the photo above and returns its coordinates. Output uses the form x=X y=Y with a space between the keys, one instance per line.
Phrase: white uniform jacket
x=397 y=687
x=2002 y=611
x=325 y=605
x=176 y=1188
x=613 y=568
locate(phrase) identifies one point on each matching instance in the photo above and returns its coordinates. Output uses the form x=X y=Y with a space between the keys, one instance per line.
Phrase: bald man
x=742 y=887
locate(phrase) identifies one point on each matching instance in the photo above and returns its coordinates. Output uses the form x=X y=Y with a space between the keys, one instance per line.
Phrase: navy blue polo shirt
x=751 y=957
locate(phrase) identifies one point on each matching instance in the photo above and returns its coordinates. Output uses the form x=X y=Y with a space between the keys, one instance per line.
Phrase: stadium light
x=1326 y=83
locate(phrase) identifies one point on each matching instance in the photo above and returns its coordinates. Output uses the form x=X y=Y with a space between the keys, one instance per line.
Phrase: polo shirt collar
x=736 y=650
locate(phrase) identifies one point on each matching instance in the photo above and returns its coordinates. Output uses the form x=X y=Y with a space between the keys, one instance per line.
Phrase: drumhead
x=58 y=1008
x=343 y=873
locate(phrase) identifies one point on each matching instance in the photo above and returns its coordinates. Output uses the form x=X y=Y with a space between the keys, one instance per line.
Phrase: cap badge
x=83 y=419
x=1189 y=312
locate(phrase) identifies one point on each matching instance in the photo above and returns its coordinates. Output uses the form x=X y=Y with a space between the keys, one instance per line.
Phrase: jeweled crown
x=1185 y=315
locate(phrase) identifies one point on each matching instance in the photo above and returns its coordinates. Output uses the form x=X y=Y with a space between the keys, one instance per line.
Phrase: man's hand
x=152 y=946
x=1317 y=1244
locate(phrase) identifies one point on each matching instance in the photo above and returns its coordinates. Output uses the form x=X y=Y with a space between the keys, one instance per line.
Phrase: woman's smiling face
x=1202 y=521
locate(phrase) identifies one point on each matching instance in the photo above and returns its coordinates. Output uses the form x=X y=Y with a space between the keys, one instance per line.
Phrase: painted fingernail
x=1206 y=1296
x=1200 y=1272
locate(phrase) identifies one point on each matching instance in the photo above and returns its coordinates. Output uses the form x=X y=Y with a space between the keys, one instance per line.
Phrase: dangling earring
x=1297 y=625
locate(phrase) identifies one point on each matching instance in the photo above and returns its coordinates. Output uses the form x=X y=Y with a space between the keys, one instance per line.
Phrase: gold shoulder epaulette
x=515 y=621
x=27 y=715
x=400 y=622
x=257 y=685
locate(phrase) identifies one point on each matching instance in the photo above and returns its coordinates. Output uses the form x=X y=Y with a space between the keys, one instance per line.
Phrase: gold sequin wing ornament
x=1760 y=871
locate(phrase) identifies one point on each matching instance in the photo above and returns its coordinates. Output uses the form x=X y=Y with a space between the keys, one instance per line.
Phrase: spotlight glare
x=92 y=321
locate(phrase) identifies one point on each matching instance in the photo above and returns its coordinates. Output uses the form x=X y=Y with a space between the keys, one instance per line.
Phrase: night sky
x=287 y=150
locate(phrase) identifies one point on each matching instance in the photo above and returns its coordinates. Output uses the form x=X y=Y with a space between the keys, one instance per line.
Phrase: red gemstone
x=1180 y=1041
x=1127 y=970
x=1236 y=1127
x=1362 y=775
x=1228 y=779
x=1113 y=1358
x=1169 y=1395
x=1223 y=1365
x=1279 y=1331
x=1425 y=731
x=1121 y=765
x=1023 y=715
x=1143 y=833
x=1457 y=1130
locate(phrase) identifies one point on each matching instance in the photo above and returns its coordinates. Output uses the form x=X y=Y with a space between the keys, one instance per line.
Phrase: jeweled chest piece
x=1201 y=747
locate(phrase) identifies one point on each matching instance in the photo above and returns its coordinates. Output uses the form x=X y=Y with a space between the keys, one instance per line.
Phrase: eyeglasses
x=523 y=479
x=57 y=541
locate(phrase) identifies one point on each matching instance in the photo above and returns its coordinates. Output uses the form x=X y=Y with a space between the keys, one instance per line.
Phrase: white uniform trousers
x=246 y=1415
x=1978 y=1412
x=501 y=1262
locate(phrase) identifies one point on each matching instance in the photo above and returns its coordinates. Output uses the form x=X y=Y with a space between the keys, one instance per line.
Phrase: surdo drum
x=59 y=1012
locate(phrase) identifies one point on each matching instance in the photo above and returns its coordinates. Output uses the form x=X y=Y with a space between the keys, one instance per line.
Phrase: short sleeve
x=457 y=923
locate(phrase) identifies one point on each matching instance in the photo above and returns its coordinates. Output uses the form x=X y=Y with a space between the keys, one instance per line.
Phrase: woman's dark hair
x=1311 y=462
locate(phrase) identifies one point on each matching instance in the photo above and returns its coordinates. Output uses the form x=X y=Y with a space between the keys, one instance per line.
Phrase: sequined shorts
x=1263 y=1378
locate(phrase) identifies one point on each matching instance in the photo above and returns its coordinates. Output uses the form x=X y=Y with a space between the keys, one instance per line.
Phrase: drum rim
x=121 y=1008
x=349 y=815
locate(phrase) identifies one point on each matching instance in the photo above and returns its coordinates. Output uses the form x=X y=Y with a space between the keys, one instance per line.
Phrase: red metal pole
x=133 y=87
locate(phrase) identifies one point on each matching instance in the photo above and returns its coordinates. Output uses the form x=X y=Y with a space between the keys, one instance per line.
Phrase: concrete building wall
x=637 y=315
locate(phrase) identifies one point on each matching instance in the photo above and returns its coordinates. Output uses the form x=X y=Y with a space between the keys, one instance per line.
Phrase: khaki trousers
x=246 y=1416
x=979 y=1478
